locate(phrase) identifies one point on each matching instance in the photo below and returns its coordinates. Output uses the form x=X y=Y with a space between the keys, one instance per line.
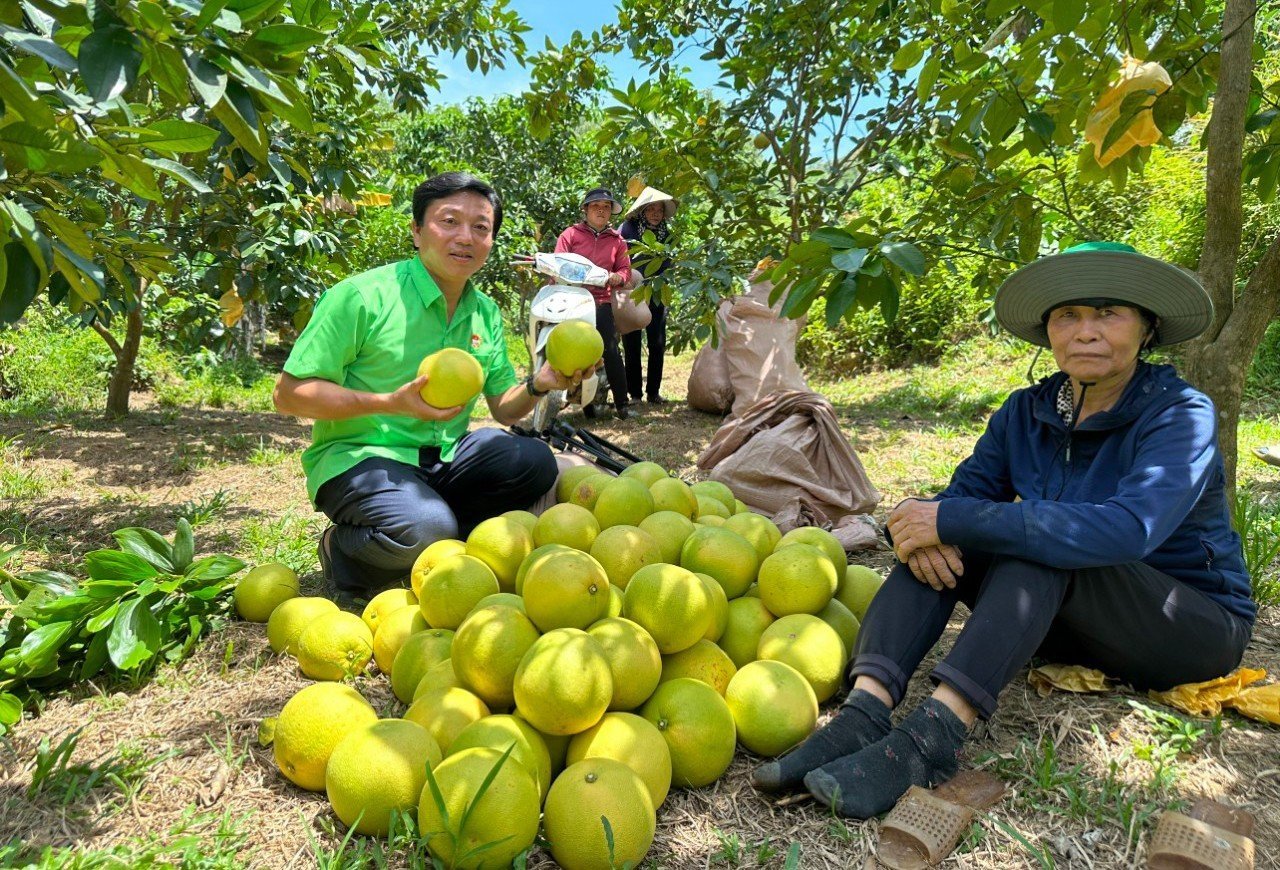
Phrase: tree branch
x=110 y=339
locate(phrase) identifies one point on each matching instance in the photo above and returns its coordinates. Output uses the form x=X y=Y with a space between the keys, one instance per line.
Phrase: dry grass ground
x=171 y=771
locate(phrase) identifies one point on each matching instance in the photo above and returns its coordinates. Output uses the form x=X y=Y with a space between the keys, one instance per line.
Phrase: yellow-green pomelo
x=724 y=555
x=393 y=631
x=820 y=538
x=698 y=727
x=290 y=618
x=710 y=520
x=524 y=518
x=753 y=591
x=645 y=472
x=499 y=732
x=586 y=492
x=571 y=477
x=841 y=618
x=453 y=587
x=537 y=554
x=615 y=602
x=796 y=579
x=568 y=589
x=378 y=770
x=312 y=723
x=488 y=649
x=860 y=585
x=773 y=707
x=569 y=524
x=573 y=346
x=634 y=660
x=810 y=646
x=624 y=550
x=711 y=508
x=439 y=676
x=384 y=604
x=762 y=533
x=499 y=824
x=501 y=543
x=633 y=740
x=508 y=599
x=581 y=799
x=719 y=607
x=670 y=603
x=670 y=494
x=563 y=684
x=557 y=744
x=740 y=507
x=335 y=646
x=445 y=712
x=624 y=501
x=420 y=652
x=748 y=618
x=454 y=377
x=430 y=557
x=266 y=586
x=670 y=529
x=703 y=661
x=718 y=491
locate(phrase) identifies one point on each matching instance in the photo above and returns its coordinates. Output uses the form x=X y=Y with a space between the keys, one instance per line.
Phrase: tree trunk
x=121 y=384
x=1218 y=361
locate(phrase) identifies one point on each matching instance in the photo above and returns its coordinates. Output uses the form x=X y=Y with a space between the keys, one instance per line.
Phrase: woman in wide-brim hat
x=648 y=214
x=1089 y=526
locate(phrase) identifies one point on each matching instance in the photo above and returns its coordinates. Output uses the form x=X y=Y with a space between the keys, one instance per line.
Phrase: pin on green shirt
x=369 y=333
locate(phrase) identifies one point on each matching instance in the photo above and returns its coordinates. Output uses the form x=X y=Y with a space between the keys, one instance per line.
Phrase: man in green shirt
x=393 y=473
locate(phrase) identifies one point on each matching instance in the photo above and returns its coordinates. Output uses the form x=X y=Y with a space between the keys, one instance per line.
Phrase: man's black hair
x=449 y=183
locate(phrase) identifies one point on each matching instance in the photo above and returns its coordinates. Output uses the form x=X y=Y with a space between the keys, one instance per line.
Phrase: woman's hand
x=938 y=566
x=407 y=402
x=914 y=526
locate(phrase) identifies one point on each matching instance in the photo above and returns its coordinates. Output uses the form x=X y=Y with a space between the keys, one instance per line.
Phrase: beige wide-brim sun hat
x=1103 y=270
x=648 y=197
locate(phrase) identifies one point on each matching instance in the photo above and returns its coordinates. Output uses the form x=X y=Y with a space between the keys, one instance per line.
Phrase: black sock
x=924 y=750
x=861 y=720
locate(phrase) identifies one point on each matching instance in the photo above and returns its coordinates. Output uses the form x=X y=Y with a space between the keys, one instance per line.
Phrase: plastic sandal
x=1269 y=454
x=1211 y=837
x=925 y=825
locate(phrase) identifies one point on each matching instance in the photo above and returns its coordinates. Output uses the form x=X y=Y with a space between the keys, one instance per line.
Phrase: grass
x=16 y=481
x=289 y=538
x=57 y=781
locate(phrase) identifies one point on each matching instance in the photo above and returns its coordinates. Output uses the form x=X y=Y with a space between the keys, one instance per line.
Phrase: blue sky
x=557 y=20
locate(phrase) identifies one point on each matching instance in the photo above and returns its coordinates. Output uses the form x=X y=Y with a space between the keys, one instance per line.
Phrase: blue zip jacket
x=1142 y=481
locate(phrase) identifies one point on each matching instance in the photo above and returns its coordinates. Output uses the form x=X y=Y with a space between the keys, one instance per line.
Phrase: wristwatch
x=532 y=390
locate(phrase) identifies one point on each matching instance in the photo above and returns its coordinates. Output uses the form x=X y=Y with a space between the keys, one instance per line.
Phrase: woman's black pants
x=656 y=334
x=613 y=367
x=1130 y=621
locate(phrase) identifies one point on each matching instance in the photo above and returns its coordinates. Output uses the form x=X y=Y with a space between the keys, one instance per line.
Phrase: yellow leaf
x=373 y=199
x=267 y=731
x=232 y=307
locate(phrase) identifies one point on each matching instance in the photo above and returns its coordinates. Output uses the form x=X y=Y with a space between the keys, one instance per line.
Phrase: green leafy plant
x=147 y=602
x=1260 y=538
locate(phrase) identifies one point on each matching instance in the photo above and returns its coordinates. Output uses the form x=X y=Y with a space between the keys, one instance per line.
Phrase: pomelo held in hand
x=454 y=377
x=573 y=346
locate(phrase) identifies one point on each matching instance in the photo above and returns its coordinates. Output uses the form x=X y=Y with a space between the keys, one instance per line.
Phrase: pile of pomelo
x=568 y=670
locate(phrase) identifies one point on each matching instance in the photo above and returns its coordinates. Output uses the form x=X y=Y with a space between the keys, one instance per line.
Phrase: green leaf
x=102 y=619
x=174 y=169
x=22 y=280
x=209 y=80
x=1067 y=14
x=1169 y=111
x=10 y=710
x=148 y=545
x=286 y=38
x=95 y=655
x=1259 y=121
x=18 y=98
x=172 y=134
x=793 y=857
x=928 y=78
x=40 y=648
x=832 y=237
x=115 y=565
x=184 y=546
x=212 y=568
x=238 y=115
x=135 y=635
x=905 y=256
x=841 y=300
x=54 y=581
x=109 y=62
x=1042 y=125
x=850 y=260
x=108 y=589
x=38 y=46
x=908 y=56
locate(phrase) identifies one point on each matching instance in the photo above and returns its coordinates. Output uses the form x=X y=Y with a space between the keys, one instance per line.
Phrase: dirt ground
x=1078 y=766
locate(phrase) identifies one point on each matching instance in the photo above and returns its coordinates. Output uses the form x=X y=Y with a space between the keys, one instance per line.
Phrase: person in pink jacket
x=593 y=238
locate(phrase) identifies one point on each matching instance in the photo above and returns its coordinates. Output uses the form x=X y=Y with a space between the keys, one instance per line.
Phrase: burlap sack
x=760 y=347
x=786 y=457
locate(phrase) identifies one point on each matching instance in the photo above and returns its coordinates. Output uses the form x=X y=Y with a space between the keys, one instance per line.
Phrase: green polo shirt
x=369 y=333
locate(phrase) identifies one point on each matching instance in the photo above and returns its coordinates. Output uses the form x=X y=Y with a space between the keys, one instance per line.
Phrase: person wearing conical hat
x=595 y=239
x=1090 y=526
x=648 y=214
